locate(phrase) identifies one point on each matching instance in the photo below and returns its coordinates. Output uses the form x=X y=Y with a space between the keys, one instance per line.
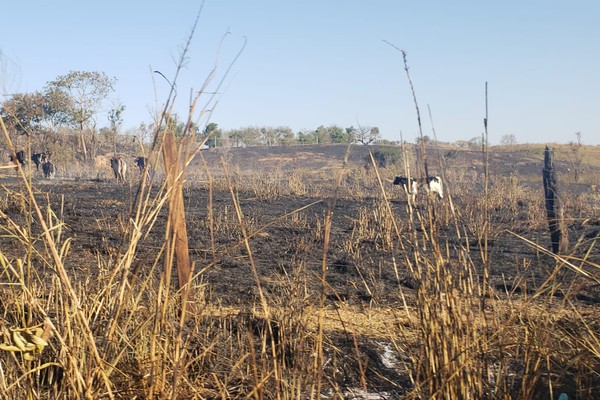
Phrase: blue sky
x=310 y=63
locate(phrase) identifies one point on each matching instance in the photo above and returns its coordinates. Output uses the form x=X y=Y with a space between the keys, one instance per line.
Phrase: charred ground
x=365 y=260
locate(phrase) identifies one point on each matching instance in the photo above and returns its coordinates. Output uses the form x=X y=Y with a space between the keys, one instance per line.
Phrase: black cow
x=39 y=159
x=20 y=157
x=49 y=170
x=141 y=163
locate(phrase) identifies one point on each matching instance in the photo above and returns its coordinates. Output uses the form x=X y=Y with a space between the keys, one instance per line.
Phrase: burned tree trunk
x=554 y=208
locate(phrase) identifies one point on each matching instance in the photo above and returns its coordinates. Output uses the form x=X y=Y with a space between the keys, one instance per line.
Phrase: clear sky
x=318 y=62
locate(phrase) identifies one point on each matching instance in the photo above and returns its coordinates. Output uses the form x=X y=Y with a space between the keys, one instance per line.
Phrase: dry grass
x=141 y=327
x=452 y=335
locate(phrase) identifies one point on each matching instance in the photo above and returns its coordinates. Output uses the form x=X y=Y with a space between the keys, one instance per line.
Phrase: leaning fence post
x=559 y=235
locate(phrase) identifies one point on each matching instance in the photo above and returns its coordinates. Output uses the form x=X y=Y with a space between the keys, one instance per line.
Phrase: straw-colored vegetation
x=431 y=306
x=206 y=280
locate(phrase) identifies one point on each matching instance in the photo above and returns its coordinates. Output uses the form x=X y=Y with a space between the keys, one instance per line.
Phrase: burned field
x=367 y=295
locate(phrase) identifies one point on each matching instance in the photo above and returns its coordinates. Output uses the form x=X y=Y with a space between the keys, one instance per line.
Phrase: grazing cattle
x=141 y=163
x=49 y=169
x=119 y=167
x=39 y=159
x=409 y=185
x=432 y=184
x=20 y=157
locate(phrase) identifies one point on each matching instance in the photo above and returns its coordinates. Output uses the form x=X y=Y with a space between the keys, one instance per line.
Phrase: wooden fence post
x=559 y=234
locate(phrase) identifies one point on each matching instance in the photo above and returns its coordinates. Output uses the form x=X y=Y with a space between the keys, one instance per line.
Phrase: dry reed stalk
x=177 y=237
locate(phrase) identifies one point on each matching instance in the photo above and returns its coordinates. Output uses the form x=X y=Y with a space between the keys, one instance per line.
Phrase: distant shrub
x=385 y=157
x=450 y=154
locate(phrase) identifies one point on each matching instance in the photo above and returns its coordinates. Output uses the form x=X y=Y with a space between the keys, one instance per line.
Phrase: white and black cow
x=432 y=184
x=119 y=167
x=410 y=185
x=49 y=170
x=39 y=159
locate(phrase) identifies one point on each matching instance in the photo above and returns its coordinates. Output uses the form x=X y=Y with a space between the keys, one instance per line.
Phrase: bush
x=386 y=156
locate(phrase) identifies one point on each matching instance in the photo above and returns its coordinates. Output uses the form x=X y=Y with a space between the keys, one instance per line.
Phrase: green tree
x=87 y=91
x=276 y=136
x=56 y=108
x=38 y=113
x=23 y=112
x=212 y=134
x=306 y=137
x=268 y=136
x=175 y=125
x=115 y=119
x=235 y=136
x=339 y=135
x=285 y=136
x=322 y=135
x=251 y=136
x=385 y=156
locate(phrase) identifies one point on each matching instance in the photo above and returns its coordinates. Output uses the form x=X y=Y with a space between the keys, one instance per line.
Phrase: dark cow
x=141 y=163
x=119 y=167
x=49 y=169
x=20 y=157
x=39 y=159
x=144 y=165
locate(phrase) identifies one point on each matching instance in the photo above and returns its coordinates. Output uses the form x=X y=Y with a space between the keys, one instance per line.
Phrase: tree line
x=76 y=110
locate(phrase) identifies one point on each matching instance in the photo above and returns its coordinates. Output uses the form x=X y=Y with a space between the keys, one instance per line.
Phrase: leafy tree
x=23 y=112
x=268 y=136
x=351 y=132
x=385 y=156
x=235 y=137
x=285 y=135
x=56 y=108
x=322 y=135
x=339 y=135
x=212 y=134
x=115 y=118
x=306 y=137
x=251 y=136
x=38 y=113
x=276 y=136
x=175 y=125
x=87 y=91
